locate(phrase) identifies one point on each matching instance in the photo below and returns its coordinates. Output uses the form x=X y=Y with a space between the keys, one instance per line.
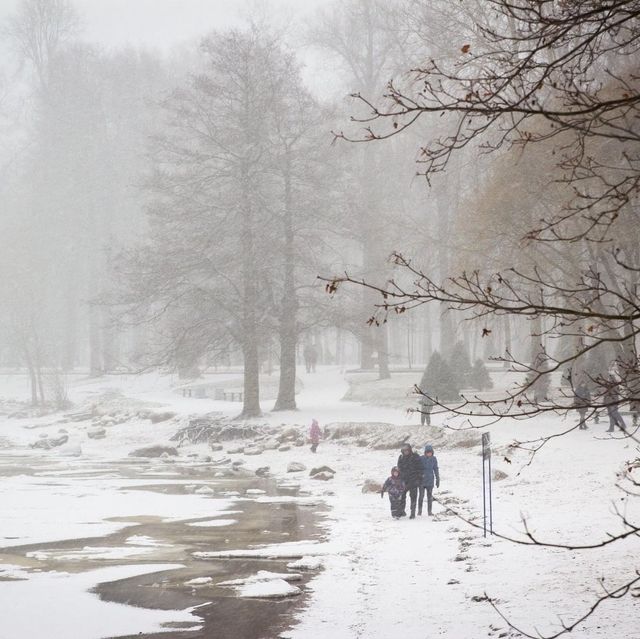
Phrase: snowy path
x=425 y=578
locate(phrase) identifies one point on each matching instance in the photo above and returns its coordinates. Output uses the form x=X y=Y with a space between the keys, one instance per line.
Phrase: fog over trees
x=464 y=199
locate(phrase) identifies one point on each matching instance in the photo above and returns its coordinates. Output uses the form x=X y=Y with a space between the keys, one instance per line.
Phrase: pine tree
x=461 y=365
x=439 y=381
x=480 y=377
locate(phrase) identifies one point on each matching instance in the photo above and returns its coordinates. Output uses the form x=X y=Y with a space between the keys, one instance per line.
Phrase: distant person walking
x=314 y=435
x=634 y=407
x=430 y=477
x=410 y=468
x=395 y=487
x=425 y=405
x=310 y=355
x=612 y=401
x=581 y=401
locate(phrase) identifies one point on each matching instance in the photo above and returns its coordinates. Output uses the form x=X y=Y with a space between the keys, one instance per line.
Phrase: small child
x=395 y=487
x=314 y=435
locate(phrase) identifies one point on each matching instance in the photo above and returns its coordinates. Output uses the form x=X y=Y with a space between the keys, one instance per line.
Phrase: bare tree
x=38 y=31
x=558 y=76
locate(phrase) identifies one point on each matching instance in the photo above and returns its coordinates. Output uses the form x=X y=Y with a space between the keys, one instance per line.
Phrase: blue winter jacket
x=430 y=472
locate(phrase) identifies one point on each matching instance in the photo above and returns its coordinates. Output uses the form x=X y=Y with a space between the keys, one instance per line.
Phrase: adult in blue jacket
x=430 y=477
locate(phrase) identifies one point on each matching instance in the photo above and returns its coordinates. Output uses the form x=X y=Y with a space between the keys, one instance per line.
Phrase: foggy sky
x=160 y=23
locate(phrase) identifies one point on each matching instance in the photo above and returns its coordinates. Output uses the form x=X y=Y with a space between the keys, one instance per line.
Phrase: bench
x=232 y=395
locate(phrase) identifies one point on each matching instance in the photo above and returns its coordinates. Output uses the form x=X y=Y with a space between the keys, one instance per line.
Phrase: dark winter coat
x=582 y=397
x=394 y=486
x=430 y=471
x=410 y=468
x=612 y=399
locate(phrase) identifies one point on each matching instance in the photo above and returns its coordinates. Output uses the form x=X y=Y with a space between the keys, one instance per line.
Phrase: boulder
x=371 y=486
x=154 y=451
x=215 y=446
x=295 y=467
x=204 y=490
x=96 y=432
x=321 y=469
x=270 y=444
x=299 y=442
x=156 y=418
x=288 y=435
x=263 y=471
x=284 y=448
x=499 y=475
x=236 y=450
x=46 y=443
x=253 y=450
x=323 y=476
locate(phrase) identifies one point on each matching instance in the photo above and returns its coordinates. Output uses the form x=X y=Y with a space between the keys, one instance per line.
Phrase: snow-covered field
x=378 y=577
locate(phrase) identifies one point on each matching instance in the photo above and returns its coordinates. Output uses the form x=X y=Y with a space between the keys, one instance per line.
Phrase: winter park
x=319 y=319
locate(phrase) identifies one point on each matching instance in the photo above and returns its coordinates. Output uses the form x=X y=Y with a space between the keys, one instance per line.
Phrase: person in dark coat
x=612 y=401
x=425 y=405
x=395 y=487
x=430 y=477
x=410 y=468
x=581 y=401
x=634 y=407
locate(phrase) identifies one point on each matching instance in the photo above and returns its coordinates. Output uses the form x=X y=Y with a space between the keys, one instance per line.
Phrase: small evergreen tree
x=438 y=380
x=480 y=377
x=460 y=365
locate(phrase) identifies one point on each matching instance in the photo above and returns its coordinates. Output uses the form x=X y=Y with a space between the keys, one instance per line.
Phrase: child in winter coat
x=314 y=435
x=395 y=487
x=430 y=476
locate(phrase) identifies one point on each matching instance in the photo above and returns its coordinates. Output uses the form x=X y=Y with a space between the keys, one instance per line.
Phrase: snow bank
x=214 y=523
x=265 y=584
x=63 y=605
x=289 y=550
x=273 y=589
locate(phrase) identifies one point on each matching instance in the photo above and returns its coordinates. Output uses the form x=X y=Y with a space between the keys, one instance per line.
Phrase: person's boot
x=419 y=511
x=413 y=513
x=430 y=513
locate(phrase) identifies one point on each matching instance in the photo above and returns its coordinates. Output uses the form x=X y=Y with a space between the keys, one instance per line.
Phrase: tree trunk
x=71 y=328
x=95 y=350
x=507 y=338
x=251 y=404
x=428 y=339
x=383 y=352
x=32 y=374
x=251 y=379
x=289 y=307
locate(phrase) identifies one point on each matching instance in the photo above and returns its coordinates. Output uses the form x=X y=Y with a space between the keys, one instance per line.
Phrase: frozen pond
x=111 y=549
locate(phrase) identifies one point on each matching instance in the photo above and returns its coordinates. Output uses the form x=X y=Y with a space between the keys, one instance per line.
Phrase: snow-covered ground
x=379 y=577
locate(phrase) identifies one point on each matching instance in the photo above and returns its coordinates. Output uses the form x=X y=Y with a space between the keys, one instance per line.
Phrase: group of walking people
x=611 y=399
x=416 y=476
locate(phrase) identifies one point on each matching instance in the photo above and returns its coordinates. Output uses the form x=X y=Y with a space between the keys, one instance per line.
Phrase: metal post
x=484 y=490
x=490 y=499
